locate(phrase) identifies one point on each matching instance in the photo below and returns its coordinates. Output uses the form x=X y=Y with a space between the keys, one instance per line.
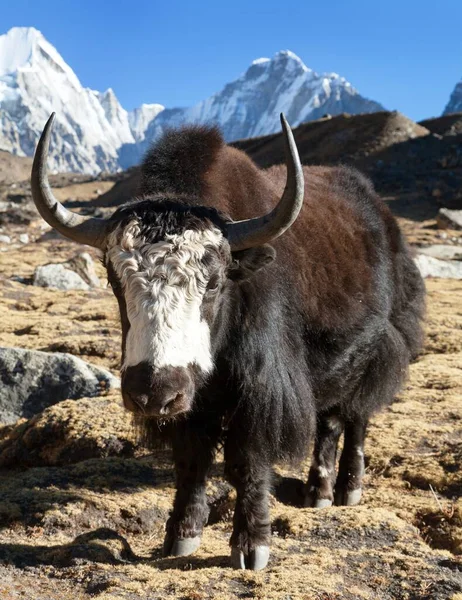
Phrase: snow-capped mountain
x=117 y=117
x=35 y=81
x=93 y=132
x=140 y=118
x=455 y=101
x=250 y=105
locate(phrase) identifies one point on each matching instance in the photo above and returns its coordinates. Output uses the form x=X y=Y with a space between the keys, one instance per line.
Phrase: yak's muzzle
x=161 y=393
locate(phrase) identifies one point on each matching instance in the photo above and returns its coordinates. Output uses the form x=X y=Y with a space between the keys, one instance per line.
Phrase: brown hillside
x=445 y=125
x=334 y=140
x=416 y=170
x=13 y=168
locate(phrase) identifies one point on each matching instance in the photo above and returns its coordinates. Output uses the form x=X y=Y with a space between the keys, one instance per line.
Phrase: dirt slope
x=334 y=140
x=13 y=169
x=445 y=125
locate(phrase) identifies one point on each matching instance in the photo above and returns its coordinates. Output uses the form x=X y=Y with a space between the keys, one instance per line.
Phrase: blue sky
x=405 y=54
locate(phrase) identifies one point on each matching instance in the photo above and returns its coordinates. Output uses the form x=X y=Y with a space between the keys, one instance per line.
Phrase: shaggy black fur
x=320 y=328
x=189 y=155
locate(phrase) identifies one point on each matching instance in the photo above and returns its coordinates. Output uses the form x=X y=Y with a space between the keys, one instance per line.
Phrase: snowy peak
x=25 y=48
x=283 y=64
x=289 y=61
x=260 y=61
x=35 y=81
x=284 y=57
x=116 y=116
x=140 y=118
x=17 y=48
x=250 y=105
x=455 y=101
x=93 y=132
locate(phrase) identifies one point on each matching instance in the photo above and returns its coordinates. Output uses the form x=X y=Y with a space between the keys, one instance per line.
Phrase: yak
x=262 y=312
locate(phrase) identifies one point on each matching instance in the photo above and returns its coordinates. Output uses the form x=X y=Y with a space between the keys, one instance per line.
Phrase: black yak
x=259 y=310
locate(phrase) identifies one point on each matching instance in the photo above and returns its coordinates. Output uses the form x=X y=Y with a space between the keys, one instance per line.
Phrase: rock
x=59 y=277
x=49 y=234
x=78 y=273
x=24 y=238
x=17 y=212
x=69 y=432
x=84 y=266
x=433 y=267
x=443 y=252
x=449 y=219
x=33 y=380
x=5 y=239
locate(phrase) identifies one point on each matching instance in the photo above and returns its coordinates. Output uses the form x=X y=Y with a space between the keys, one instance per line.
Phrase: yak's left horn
x=85 y=230
x=261 y=230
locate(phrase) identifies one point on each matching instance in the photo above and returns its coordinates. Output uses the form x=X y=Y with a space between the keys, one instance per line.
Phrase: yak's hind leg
x=381 y=379
x=322 y=478
x=348 y=487
x=320 y=487
x=193 y=453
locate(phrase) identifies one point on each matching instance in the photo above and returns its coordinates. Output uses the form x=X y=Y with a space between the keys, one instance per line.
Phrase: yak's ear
x=247 y=262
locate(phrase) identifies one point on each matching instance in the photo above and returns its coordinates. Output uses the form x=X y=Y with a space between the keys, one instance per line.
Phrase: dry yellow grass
x=71 y=530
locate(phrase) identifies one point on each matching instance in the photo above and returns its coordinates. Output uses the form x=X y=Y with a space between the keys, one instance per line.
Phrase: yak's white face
x=174 y=278
x=163 y=285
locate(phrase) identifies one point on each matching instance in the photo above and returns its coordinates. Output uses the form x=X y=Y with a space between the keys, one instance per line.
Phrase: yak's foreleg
x=193 y=453
x=251 y=524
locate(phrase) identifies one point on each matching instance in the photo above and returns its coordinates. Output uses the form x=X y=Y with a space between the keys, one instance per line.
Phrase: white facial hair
x=163 y=286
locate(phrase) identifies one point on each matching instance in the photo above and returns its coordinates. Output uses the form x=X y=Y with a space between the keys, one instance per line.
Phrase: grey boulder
x=78 y=273
x=33 y=380
x=449 y=219
x=434 y=267
x=442 y=251
x=59 y=277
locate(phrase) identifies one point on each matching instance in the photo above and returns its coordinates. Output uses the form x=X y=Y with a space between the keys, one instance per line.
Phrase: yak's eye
x=213 y=284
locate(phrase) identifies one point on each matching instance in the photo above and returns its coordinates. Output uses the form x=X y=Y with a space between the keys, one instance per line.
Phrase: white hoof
x=256 y=560
x=312 y=501
x=183 y=546
x=351 y=498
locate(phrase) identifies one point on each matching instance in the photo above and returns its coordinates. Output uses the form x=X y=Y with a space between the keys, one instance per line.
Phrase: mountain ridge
x=94 y=133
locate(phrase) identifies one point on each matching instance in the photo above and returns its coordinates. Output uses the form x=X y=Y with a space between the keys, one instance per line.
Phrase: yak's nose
x=159 y=393
x=164 y=405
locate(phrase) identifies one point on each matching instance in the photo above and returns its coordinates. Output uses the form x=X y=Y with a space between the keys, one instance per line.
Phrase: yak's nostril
x=140 y=400
x=170 y=402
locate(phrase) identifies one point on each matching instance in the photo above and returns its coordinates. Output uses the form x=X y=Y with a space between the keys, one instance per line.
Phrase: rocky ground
x=83 y=505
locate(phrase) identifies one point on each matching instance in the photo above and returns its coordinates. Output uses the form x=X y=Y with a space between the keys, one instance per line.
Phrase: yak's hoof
x=256 y=560
x=322 y=503
x=311 y=501
x=348 y=498
x=181 y=546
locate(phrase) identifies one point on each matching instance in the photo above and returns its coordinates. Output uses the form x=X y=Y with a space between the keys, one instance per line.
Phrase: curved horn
x=260 y=230
x=85 y=230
